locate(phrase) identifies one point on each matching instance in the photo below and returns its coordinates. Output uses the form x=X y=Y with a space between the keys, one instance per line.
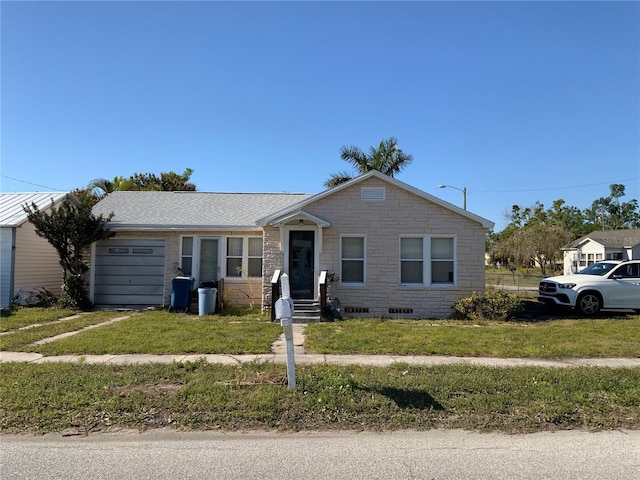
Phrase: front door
x=301 y=272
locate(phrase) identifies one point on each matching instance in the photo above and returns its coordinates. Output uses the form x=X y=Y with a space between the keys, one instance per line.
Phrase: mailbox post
x=284 y=313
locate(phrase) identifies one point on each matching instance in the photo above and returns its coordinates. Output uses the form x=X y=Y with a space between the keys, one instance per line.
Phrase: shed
x=26 y=259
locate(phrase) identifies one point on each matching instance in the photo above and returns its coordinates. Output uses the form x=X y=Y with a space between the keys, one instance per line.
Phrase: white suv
x=607 y=284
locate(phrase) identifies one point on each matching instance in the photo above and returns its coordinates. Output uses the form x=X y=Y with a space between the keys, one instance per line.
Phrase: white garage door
x=129 y=272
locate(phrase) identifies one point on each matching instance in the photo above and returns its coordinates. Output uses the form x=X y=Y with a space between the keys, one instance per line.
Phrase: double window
x=427 y=260
x=244 y=257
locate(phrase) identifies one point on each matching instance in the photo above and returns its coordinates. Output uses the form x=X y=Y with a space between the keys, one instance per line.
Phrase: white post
x=284 y=312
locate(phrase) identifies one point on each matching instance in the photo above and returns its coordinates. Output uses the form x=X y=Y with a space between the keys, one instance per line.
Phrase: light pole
x=463 y=190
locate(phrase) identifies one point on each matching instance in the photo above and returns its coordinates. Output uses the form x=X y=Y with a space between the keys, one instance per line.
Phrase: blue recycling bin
x=181 y=288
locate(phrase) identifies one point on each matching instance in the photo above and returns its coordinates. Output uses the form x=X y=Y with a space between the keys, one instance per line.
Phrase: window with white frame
x=187 y=256
x=411 y=260
x=427 y=260
x=244 y=257
x=352 y=259
x=442 y=260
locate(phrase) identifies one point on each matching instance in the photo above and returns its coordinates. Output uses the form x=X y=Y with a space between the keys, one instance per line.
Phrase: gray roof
x=610 y=238
x=191 y=210
x=12 y=213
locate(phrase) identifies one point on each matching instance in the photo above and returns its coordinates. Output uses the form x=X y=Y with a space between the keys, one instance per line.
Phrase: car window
x=631 y=270
x=597 y=269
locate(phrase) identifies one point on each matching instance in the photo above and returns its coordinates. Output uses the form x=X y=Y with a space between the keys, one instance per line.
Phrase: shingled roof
x=191 y=210
x=610 y=238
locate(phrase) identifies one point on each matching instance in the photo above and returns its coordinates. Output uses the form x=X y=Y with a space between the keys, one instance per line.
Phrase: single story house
x=385 y=248
x=26 y=259
x=601 y=245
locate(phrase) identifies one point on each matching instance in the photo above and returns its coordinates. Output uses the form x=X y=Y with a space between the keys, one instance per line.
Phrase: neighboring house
x=601 y=245
x=389 y=249
x=27 y=260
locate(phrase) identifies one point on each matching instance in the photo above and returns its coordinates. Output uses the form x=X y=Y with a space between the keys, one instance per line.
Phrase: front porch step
x=306 y=311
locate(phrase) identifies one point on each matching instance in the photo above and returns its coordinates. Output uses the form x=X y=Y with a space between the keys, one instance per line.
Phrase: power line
x=31 y=183
x=557 y=188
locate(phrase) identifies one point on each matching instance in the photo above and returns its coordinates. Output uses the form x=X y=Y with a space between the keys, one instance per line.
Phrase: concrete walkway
x=278 y=355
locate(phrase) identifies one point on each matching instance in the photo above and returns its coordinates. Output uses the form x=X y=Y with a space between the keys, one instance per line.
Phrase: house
x=601 y=245
x=388 y=249
x=26 y=259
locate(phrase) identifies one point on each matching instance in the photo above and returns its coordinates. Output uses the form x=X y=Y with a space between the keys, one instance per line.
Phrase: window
x=255 y=257
x=442 y=261
x=187 y=255
x=352 y=255
x=411 y=260
x=244 y=257
x=427 y=260
x=234 y=257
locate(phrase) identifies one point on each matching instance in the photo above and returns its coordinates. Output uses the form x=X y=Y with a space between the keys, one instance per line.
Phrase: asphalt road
x=435 y=454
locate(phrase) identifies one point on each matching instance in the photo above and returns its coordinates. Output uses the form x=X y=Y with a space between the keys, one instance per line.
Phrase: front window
x=411 y=260
x=427 y=260
x=442 y=261
x=353 y=259
x=597 y=269
x=244 y=257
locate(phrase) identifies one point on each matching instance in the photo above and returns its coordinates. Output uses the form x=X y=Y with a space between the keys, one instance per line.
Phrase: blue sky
x=516 y=101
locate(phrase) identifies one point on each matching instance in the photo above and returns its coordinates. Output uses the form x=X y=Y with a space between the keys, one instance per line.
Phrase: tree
x=166 y=182
x=609 y=213
x=387 y=158
x=105 y=187
x=70 y=229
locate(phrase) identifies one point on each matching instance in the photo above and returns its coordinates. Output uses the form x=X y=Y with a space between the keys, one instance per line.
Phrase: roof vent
x=372 y=194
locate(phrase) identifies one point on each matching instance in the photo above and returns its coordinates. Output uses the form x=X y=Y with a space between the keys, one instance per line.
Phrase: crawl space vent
x=356 y=309
x=372 y=194
x=401 y=310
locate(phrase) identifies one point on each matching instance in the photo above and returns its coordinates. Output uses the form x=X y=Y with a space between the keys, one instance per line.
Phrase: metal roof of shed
x=12 y=213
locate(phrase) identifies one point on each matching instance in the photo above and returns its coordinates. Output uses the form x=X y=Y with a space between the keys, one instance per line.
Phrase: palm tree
x=387 y=158
x=108 y=186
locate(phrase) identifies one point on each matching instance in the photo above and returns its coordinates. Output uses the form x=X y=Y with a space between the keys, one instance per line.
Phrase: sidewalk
x=278 y=355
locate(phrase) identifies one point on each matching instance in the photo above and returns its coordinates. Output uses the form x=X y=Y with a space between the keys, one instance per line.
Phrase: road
x=435 y=454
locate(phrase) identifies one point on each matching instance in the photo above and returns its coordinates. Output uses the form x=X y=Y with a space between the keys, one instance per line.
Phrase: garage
x=129 y=272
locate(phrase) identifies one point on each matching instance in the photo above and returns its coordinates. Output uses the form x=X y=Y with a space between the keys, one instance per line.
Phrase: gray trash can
x=206 y=300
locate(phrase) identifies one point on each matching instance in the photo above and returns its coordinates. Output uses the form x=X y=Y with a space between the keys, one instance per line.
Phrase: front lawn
x=615 y=337
x=161 y=332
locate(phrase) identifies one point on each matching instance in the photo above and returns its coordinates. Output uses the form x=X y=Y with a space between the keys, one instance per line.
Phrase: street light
x=463 y=190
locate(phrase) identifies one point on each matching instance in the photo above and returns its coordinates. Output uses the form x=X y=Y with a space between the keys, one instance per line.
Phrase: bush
x=492 y=305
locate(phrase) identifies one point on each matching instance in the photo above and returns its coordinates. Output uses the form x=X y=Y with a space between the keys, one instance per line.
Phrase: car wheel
x=589 y=303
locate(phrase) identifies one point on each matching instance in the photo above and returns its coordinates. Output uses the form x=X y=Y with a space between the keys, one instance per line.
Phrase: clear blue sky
x=516 y=101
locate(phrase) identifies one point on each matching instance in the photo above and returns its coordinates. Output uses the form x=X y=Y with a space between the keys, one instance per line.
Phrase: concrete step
x=306 y=311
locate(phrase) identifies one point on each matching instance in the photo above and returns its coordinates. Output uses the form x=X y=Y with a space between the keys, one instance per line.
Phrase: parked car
x=607 y=284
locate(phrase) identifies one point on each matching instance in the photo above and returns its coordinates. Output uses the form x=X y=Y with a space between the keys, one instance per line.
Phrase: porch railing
x=275 y=292
x=323 y=282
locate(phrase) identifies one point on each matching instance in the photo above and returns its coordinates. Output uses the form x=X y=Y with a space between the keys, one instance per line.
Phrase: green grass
x=161 y=332
x=619 y=337
x=19 y=317
x=18 y=340
x=54 y=397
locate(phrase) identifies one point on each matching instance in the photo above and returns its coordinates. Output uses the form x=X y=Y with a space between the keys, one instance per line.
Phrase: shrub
x=492 y=305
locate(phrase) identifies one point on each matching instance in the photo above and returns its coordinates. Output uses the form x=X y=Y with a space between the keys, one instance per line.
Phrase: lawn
x=601 y=337
x=161 y=332
x=85 y=398
x=158 y=332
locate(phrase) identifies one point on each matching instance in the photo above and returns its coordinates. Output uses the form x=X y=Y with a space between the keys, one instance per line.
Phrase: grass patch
x=619 y=337
x=20 y=339
x=54 y=397
x=18 y=317
x=161 y=332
